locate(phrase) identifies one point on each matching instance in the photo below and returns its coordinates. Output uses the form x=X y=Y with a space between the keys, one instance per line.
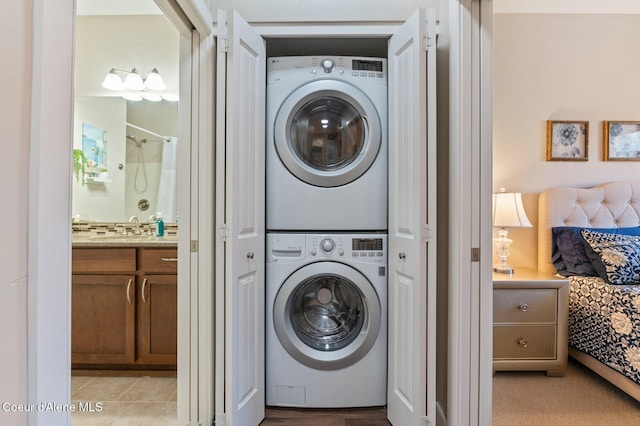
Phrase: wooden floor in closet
x=376 y=416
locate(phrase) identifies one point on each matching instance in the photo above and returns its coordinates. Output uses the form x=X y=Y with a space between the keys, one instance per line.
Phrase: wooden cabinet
x=530 y=314
x=124 y=307
x=103 y=319
x=158 y=307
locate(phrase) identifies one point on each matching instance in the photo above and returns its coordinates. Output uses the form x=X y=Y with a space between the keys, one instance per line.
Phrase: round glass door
x=327 y=133
x=327 y=315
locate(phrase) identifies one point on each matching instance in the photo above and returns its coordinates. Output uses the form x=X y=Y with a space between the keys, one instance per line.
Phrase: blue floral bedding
x=604 y=322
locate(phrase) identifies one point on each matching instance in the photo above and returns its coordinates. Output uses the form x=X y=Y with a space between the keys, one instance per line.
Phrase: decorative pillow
x=616 y=257
x=568 y=253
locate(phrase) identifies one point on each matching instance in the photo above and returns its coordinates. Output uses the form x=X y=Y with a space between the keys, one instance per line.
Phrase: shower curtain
x=167 y=187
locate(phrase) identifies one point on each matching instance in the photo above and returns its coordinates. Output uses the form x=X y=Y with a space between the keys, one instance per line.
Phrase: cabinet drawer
x=525 y=305
x=524 y=342
x=103 y=260
x=159 y=260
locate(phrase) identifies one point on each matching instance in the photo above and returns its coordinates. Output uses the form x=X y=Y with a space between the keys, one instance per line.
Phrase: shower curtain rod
x=148 y=131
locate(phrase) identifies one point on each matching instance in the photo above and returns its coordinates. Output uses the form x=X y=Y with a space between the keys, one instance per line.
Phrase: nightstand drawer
x=524 y=342
x=525 y=305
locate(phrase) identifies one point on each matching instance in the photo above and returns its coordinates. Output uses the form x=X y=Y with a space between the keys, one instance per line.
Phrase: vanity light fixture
x=137 y=87
x=508 y=212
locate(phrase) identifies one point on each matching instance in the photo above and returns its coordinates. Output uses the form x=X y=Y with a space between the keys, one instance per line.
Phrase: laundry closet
x=329 y=268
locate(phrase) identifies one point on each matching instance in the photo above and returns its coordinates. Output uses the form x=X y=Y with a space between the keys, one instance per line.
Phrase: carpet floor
x=578 y=398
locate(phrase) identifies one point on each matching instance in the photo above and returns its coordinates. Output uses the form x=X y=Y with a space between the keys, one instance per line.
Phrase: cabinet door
x=157 y=340
x=103 y=319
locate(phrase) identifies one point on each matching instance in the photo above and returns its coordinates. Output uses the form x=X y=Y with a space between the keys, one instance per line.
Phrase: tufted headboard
x=609 y=205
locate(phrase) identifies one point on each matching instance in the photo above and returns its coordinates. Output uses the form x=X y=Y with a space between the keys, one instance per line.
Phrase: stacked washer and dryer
x=326 y=271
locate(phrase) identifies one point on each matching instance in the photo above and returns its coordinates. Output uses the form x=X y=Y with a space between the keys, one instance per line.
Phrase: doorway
x=125 y=140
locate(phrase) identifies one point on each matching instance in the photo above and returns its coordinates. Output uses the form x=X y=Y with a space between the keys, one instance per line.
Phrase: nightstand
x=530 y=315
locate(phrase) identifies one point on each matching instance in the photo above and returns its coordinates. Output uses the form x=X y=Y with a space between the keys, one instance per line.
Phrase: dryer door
x=327 y=133
x=327 y=315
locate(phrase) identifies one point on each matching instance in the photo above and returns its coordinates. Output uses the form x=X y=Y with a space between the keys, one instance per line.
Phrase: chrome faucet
x=136 y=222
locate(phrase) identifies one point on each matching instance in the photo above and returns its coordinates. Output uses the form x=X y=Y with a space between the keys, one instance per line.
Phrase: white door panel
x=411 y=383
x=245 y=260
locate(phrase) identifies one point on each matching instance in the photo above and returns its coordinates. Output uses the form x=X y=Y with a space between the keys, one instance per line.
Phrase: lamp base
x=503 y=269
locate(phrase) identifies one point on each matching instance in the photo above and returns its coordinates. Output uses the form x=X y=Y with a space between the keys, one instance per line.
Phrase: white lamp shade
x=508 y=211
x=112 y=81
x=171 y=97
x=134 y=81
x=150 y=96
x=154 y=81
x=132 y=96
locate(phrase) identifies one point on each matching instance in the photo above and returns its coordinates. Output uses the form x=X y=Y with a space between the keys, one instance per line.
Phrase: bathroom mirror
x=125 y=151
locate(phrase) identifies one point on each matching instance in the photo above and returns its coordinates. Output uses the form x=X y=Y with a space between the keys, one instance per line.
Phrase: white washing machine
x=326 y=308
x=326 y=143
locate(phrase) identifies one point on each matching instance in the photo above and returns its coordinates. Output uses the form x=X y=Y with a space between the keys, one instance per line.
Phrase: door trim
x=49 y=246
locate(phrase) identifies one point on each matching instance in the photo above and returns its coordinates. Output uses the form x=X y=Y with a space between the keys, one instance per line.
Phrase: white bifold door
x=412 y=223
x=242 y=60
x=240 y=142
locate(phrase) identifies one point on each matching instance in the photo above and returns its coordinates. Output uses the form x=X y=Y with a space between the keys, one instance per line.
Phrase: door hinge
x=428 y=233
x=223 y=44
x=219 y=420
x=194 y=246
x=223 y=232
x=475 y=254
x=426 y=421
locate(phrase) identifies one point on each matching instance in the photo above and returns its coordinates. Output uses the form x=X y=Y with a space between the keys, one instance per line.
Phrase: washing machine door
x=327 y=315
x=327 y=133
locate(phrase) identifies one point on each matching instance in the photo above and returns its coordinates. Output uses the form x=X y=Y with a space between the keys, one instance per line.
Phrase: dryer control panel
x=279 y=69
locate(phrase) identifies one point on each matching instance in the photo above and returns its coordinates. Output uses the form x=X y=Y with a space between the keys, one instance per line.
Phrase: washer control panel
x=370 y=248
x=364 y=248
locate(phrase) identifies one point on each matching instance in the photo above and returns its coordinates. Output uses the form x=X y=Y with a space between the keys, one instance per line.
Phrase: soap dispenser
x=159 y=225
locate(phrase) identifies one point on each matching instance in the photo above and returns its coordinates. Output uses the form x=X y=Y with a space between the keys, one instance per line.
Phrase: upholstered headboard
x=609 y=205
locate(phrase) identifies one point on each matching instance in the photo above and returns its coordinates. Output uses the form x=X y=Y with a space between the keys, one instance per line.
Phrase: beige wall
x=559 y=67
x=15 y=79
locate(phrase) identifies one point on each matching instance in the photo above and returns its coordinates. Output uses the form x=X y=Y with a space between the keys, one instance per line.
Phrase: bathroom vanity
x=124 y=303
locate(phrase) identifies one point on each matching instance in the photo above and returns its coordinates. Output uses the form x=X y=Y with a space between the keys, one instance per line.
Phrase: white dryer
x=326 y=151
x=326 y=309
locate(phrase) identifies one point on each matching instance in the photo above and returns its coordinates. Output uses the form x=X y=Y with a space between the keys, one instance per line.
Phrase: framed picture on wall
x=621 y=141
x=567 y=140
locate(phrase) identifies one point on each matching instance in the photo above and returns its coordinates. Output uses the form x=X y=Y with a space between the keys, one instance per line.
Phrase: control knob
x=328 y=65
x=327 y=245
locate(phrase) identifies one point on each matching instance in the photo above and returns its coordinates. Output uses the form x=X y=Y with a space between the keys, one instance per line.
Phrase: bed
x=604 y=310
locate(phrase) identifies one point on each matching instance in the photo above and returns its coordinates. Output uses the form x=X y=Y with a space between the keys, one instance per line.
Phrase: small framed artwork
x=621 y=141
x=567 y=140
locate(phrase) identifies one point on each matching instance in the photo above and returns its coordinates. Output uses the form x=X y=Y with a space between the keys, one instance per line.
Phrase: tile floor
x=119 y=399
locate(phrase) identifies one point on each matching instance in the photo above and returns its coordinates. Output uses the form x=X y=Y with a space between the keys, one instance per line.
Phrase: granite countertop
x=123 y=241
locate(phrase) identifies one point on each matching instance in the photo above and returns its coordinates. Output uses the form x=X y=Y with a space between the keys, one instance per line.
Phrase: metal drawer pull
x=144 y=284
x=402 y=256
x=524 y=307
x=523 y=343
x=250 y=255
x=129 y=290
x=169 y=259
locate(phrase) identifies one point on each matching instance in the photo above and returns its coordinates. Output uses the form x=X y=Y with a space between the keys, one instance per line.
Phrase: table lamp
x=508 y=212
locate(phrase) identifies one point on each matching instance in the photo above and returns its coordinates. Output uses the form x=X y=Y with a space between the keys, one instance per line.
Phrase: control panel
x=347 y=67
